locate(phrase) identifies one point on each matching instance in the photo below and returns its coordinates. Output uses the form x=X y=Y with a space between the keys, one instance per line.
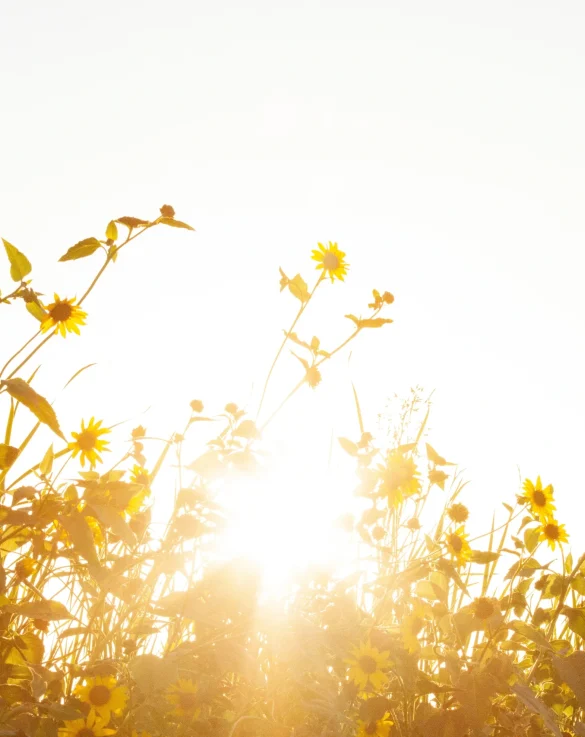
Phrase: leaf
x=298 y=288
x=113 y=520
x=112 y=231
x=526 y=695
x=575 y=620
x=530 y=632
x=23 y=492
x=13 y=694
x=80 y=535
x=36 y=311
x=435 y=458
x=51 y=611
x=246 y=429
x=27 y=648
x=46 y=465
x=19 y=264
x=374 y=322
x=348 y=446
x=477 y=688
x=572 y=670
x=62 y=712
x=483 y=557
x=132 y=222
x=82 y=249
x=175 y=223
x=374 y=708
x=531 y=538
x=151 y=673
x=8 y=454
x=25 y=394
x=354 y=319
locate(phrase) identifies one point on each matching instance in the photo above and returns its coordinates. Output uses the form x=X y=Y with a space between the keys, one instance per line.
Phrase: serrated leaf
x=483 y=556
x=298 y=288
x=530 y=632
x=62 y=712
x=531 y=539
x=26 y=395
x=82 y=249
x=572 y=670
x=112 y=231
x=13 y=694
x=174 y=223
x=246 y=429
x=19 y=264
x=113 y=520
x=8 y=454
x=348 y=446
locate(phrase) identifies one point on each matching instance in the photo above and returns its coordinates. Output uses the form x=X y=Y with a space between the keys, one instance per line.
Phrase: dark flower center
x=371 y=728
x=539 y=499
x=368 y=664
x=551 y=531
x=99 y=696
x=483 y=608
x=456 y=543
x=85 y=732
x=187 y=701
x=330 y=261
x=87 y=441
x=61 y=312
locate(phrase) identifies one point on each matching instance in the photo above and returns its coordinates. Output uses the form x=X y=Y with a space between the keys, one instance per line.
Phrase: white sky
x=440 y=144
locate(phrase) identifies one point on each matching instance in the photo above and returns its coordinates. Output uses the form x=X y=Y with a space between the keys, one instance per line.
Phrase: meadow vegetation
x=108 y=627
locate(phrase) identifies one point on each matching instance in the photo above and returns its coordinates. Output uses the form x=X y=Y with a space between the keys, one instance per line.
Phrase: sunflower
x=63 y=315
x=104 y=695
x=183 y=696
x=331 y=260
x=486 y=612
x=88 y=443
x=377 y=728
x=399 y=478
x=139 y=475
x=458 y=513
x=541 y=500
x=91 y=726
x=367 y=664
x=553 y=533
x=457 y=545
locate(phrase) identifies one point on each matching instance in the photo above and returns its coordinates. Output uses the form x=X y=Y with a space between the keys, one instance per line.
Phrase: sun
x=284 y=522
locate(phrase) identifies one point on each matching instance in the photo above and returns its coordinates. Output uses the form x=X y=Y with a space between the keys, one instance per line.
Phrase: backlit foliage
x=110 y=627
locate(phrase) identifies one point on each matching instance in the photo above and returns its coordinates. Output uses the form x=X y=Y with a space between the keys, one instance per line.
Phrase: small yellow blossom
x=367 y=665
x=88 y=442
x=331 y=260
x=63 y=315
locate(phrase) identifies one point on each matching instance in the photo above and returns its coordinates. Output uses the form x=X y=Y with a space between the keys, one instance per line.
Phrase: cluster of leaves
x=110 y=627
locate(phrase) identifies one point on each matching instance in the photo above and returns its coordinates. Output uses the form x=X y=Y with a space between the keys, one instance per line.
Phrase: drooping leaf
x=48 y=610
x=13 y=694
x=174 y=223
x=476 y=690
x=374 y=322
x=36 y=311
x=8 y=454
x=82 y=249
x=60 y=711
x=531 y=538
x=527 y=696
x=19 y=264
x=25 y=394
x=246 y=429
x=298 y=288
x=483 y=557
x=530 y=632
x=575 y=619
x=46 y=465
x=113 y=520
x=80 y=535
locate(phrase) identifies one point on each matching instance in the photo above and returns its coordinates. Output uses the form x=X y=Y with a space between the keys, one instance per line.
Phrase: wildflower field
x=110 y=626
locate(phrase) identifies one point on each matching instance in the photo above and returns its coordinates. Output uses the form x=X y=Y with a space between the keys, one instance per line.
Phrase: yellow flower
x=104 y=695
x=378 y=728
x=63 y=315
x=183 y=696
x=367 y=664
x=400 y=478
x=541 y=500
x=331 y=260
x=91 y=726
x=457 y=545
x=88 y=443
x=553 y=533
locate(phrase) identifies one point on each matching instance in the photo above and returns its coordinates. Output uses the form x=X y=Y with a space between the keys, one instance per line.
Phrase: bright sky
x=440 y=144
